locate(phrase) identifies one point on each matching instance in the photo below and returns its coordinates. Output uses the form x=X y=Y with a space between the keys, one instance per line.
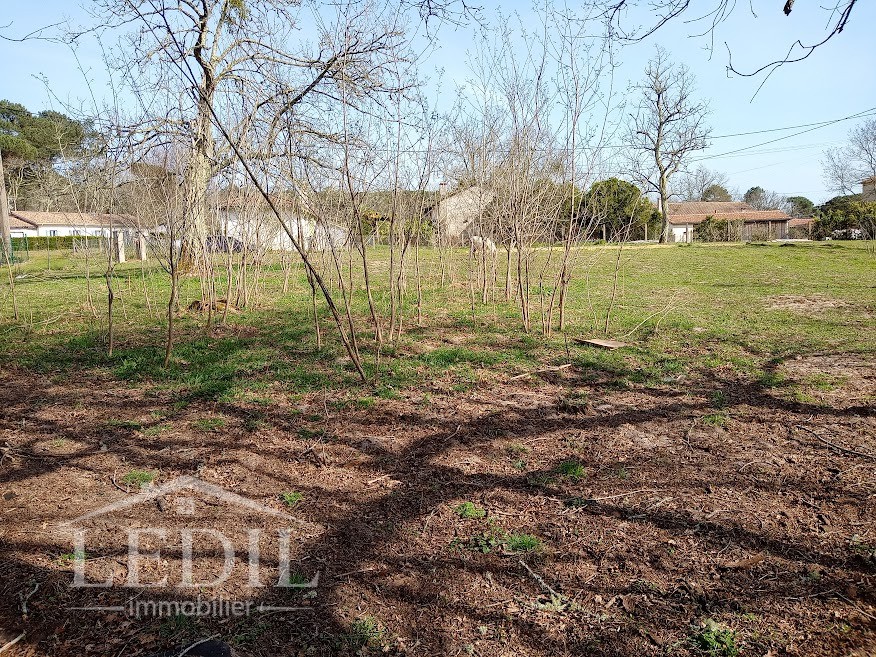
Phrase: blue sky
x=834 y=82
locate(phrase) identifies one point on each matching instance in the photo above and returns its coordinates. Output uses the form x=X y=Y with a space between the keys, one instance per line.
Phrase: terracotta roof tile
x=17 y=223
x=85 y=219
x=694 y=212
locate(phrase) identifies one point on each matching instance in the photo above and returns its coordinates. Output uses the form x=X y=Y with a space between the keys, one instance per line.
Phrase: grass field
x=707 y=489
x=679 y=307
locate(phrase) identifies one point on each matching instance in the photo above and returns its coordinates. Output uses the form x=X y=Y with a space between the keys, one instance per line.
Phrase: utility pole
x=5 y=233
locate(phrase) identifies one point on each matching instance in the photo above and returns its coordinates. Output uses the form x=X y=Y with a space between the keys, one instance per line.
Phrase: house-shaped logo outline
x=185 y=482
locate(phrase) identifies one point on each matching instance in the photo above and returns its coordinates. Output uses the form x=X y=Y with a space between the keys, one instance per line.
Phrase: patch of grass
x=387 y=392
x=364 y=632
x=571 y=469
x=470 y=511
x=249 y=632
x=715 y=420
x=826 y=382
x=209 y=423
x=308 y=434
x=124 y=424
x=522 y=542
x=718 y=399
x=255 y=423
x=539 y=479
x=298 y=580
x=291 y=499
x=715 y=640
x=517 y=449
x=487 y=541
x=72 y=557
x=155 y=430
x=444 y=357
x=177 y=624
x=138 y=478
x=772 y=379
x=518 y=464
x=575 y=401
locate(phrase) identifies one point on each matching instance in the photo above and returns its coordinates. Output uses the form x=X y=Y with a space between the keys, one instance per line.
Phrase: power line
x=790 y=127
x=796 y=134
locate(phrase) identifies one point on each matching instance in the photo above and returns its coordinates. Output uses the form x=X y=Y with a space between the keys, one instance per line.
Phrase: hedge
x=55 y=242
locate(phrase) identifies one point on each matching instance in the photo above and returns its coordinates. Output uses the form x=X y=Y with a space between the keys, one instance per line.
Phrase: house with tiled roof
x=684 y=217
x=24 y=223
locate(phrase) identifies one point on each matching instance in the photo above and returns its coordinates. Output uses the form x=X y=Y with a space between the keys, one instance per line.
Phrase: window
x=53 y=233
x=75 y=233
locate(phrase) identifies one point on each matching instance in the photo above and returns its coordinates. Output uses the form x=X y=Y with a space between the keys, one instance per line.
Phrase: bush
x=68 y=242
x=718 y=230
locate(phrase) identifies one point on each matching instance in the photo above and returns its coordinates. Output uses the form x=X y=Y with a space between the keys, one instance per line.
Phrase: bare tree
x=699 y=184
x=845 y=167
x=669 y=124
x=705 y=21
x=762 y=199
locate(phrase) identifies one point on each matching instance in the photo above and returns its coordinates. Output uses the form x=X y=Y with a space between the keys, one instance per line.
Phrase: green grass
x=522 y=542
x=138 y=478
x=715 y=419
x=682 y=310
x=291 y=499
x=715 y=640
x=469 y=510
x=73 y=557
x=209 y=424
x=571 y=470
x=365 y=631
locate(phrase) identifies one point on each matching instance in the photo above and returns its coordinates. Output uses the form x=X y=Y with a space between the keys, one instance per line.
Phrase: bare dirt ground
x=710 y=502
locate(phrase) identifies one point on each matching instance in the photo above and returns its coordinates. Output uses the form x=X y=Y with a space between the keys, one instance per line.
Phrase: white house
x=24 y=223
x=260 y=228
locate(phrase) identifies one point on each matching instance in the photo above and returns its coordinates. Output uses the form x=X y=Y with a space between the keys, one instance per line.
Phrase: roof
x=707 y=207
x=694 y=212
x=17 y=223
x=871 y=179
x=77 y=219
x=800 y=221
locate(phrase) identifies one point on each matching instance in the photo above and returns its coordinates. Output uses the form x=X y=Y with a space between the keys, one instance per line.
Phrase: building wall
x=868 y=190
x=266 y=231
x=681 y=233
x=61 y=230
x=456 y=213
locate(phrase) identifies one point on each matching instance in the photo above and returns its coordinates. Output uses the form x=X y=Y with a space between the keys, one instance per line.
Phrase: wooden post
x=603 y=233
x=141 y=246
x=119 y=242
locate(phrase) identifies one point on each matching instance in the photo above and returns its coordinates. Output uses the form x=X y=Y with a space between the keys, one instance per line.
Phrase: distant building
x=754 y=224
x=64 y=224
x=868 y=189
x=255 y=225
x=457 y=212
x=801 y=227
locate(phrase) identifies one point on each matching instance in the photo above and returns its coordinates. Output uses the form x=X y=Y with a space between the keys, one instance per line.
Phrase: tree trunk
x=5 y=233
x=664 y=212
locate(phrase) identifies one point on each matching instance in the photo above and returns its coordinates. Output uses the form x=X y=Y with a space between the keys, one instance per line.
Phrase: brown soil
x=758 y=515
